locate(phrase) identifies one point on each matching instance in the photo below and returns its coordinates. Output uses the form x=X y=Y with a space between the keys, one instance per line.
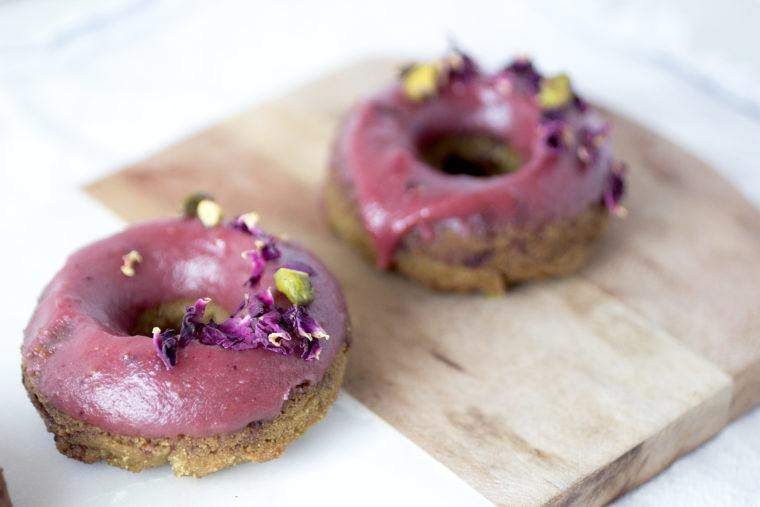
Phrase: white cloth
x=87 y=86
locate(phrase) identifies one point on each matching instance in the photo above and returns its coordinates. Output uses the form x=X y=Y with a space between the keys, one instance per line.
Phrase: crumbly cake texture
x=5 y=500
x=488 y=263
x=195 y=456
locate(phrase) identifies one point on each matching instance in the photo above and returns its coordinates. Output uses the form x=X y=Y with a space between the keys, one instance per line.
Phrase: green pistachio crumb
x=421 y=81
x=190 y=203
x=209 y=213
x=129 y=261
x=555 y=92
x=295 y=285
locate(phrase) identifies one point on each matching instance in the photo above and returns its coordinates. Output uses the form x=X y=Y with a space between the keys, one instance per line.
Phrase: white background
x=88 y=86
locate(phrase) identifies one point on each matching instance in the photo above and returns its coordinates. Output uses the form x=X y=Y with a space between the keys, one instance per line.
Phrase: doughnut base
x=490 y=263
x=5 y=500
x=195 y=456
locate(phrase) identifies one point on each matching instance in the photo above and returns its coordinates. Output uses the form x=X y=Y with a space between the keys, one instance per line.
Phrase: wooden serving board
x=561 y=392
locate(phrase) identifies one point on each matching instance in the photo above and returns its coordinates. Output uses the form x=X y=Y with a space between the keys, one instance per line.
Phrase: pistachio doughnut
x=470 y=181
x=188 y=341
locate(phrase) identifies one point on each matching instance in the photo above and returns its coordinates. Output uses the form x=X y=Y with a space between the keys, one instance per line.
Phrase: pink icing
x=78 y=348
x=377 y=153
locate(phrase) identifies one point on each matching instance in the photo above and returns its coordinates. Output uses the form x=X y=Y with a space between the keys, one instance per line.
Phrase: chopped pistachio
x=421 y=81
x=209 y=213
x=190 y=203
x=130 y=260
x=555 y=92
x=295 y=285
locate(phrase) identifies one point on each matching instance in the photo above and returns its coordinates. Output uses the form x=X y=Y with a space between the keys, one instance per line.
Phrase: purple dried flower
x=303 y=324
x=587 y=149
x=272 y=334
x=239 y=327
x=264 y=242
x=548 y=115
x=258 y=263
x=580 y=104
x=247 y=223
x=552 y=134
x=526 y=75
x=614 y=189
x=267 y=247
x=257 y=323
x=459 y=66
x=266 y=297
x=311 y=350
x=192 y=321
x=212 y=335
x=166 y=345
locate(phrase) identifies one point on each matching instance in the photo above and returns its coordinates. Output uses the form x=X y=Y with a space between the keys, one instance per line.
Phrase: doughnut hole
x=169 y=316
x=468 y=153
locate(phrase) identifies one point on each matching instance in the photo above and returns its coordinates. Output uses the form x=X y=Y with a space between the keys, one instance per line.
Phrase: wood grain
x=566 y=392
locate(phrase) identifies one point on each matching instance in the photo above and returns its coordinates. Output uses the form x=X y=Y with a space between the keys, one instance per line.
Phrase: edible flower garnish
x=266 y=247
x=192 y=321
x=248 y=220
x=258 y=263
x=553 y=133
x=555 y=92
x=261 y=321
x=528 y=77
x=166 y=345
x=129 y=262
x=424 y=80
x=257 y=323
x=614 y=190
x=304 y=325
x=295 y=285
x=459 y=66
x=420 y=81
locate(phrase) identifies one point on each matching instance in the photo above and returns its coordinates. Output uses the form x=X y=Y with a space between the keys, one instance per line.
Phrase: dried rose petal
x=258 y=263
x=166 y=345
x=192 y=321
x=303 y=324
x=460 y=66
x=525 y=73
x=614 y=189
x=552 y=134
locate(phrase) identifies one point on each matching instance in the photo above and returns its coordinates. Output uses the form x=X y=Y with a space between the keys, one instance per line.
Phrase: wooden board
x=562 y=392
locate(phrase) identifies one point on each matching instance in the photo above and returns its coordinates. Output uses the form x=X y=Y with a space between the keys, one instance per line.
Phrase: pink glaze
x=377 y=153
x=83 y=360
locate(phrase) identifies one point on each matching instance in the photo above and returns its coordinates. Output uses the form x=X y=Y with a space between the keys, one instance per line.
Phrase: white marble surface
x=86 y=86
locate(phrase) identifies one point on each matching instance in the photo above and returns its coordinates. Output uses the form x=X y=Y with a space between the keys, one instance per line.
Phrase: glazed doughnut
x=468 y=181
x=256 y=354
x=5 y=499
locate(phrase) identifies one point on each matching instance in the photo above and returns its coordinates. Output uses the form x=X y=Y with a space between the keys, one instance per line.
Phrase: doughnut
x=5 y=499
x=472 y=181
x=191 y=341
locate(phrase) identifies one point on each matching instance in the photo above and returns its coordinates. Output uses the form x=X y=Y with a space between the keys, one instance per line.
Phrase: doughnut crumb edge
x=194 y=456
